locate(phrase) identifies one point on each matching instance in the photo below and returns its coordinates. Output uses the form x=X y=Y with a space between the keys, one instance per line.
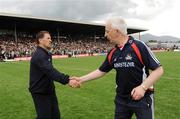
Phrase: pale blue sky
x=159 y=16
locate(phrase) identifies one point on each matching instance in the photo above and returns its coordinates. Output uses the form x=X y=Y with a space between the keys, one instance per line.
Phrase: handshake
x=75 y=82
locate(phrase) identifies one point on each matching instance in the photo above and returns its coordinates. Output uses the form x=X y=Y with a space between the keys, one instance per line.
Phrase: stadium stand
x=66 y=46
x=70 y=38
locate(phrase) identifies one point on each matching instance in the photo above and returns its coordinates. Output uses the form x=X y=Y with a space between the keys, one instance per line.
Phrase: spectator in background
x=25 y=46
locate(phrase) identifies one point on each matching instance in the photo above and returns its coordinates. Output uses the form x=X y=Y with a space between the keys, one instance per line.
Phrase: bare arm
x=153 y=78
x=92 y=75
x=139 y=91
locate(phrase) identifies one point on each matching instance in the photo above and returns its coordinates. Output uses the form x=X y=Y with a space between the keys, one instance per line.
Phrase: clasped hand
x=74 y=82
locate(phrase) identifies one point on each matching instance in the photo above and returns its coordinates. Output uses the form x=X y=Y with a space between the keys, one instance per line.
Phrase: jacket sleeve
x=47 y=68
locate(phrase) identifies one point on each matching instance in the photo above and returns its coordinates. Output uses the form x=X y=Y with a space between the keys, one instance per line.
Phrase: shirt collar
x=130 y=41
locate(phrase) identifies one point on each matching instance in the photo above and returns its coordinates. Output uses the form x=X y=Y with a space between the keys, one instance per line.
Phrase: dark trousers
x=46 y=106
x=143 y=109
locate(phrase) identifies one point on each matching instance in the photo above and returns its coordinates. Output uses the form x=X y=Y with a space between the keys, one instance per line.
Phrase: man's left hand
x=137 y=93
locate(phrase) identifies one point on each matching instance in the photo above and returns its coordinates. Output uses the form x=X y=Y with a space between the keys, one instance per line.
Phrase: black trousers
x=143 y=109
x=46 y=106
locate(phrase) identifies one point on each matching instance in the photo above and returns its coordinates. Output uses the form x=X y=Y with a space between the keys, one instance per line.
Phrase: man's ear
x=40 y=40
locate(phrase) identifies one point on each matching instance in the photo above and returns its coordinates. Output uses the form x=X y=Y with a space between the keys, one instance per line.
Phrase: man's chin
x=112 y=42
x=49 y=48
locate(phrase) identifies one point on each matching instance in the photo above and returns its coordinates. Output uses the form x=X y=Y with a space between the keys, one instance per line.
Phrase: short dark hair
x=40 y=35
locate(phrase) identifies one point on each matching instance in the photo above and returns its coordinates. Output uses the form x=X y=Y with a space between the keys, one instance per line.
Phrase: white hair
x=118 y=23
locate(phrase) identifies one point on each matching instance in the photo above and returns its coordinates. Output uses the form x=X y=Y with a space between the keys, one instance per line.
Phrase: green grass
x=95 y=99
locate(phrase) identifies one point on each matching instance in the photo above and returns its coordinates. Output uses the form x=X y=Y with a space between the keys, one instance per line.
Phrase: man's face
x=111 y=34
x=46 y=41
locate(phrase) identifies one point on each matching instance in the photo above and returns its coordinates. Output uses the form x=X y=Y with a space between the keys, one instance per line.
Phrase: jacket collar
x=44 y=50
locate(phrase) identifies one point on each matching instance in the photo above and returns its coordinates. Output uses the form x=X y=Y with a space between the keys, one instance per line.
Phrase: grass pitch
x=95 y=99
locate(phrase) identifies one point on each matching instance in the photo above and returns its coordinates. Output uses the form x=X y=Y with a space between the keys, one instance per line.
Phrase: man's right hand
x=74 y=82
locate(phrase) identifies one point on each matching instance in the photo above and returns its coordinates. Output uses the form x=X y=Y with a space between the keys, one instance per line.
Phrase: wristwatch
x=144 y=87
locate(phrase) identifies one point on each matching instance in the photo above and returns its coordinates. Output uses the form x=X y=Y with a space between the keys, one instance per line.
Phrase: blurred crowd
x=25 y=46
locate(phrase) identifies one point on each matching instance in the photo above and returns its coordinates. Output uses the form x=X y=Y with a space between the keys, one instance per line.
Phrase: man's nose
x=105 y=35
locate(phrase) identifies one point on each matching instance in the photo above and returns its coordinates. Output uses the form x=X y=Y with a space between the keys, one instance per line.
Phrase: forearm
x=153 y=78
x=55 y=75
x=93 y=75
x=47 y=68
